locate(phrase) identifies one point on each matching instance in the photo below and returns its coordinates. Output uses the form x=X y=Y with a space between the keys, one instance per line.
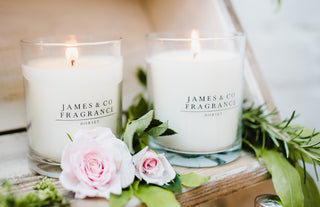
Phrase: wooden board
x=242 y=173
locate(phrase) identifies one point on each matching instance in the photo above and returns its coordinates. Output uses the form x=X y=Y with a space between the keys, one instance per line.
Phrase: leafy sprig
x=281 y=145
x=141 y=122
x=158 y=196
x=45 y=194
x=296 y=142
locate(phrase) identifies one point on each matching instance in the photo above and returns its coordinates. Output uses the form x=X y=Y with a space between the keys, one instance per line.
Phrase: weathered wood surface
x=242 y=173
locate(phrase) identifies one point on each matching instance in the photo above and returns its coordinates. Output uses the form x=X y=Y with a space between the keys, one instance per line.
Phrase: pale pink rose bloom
x=96 y=164
x=152 y=167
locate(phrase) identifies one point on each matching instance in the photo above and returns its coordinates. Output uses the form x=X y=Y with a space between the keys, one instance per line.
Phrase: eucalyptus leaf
x=286 y=179
x=136 y=126
x=174 y=185
x=121 y=200
x=193 y=180
x=155 y=196
x=310 y=190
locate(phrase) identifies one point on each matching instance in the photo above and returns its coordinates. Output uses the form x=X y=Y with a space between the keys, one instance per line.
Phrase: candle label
x=211 y=105
x=87 y=113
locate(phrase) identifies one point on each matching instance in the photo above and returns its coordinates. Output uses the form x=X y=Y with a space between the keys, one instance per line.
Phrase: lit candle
x=199 y=91
x=69 y=91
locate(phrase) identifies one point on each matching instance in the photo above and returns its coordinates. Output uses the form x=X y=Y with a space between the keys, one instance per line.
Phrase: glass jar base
x=43 y=166
x=190 y=159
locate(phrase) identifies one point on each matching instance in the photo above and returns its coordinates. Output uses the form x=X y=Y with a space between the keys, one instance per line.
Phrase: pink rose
x=96 y=164
x=152 y=167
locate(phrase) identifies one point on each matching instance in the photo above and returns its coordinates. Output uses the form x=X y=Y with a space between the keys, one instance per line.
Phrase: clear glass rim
x=71 y=40
x=186 y=36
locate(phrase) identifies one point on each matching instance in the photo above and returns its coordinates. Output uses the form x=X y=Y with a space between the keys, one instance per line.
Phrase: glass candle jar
x=71 y=83
x=267 y=200
x=195 y=82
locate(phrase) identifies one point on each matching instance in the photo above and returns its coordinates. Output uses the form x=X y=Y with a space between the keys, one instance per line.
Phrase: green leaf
x=142 y=143
x=158 y=130
x=256 y=150
x=142 y=77
x=192 y=180
x=136 y=126
x=175 y=185
x=121 y=200
x=70 y=137
x=138 y=108
x=154 y=123
x=310 y=190
x=136 y=185
x=155 y=196
x=168 y=132
x=285 y=178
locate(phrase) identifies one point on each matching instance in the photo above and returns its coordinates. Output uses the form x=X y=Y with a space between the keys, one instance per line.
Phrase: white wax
x=187 y=90
x=61 y=99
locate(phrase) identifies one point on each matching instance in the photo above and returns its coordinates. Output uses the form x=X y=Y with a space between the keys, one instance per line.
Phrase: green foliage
x=69 y=136
x=45 y=195
x=309 y=188
x=285 y=178
x=174 y=185
x=282 y=145
x=134 y=128
x=158 y=130
x=155 y=196
x=141 y=124
x=121 y=200
x=193 y=180
x=142 y=77
x=138 y=108
x=297 y=143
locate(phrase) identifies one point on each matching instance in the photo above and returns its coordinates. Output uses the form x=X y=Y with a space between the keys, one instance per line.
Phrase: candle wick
x=72 y=62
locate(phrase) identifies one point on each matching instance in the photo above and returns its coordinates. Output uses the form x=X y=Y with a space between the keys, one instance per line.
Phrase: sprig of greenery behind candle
x=281 y=145
x=296 y=142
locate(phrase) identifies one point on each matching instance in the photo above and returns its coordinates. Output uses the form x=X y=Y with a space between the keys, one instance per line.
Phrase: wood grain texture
x=242 y=173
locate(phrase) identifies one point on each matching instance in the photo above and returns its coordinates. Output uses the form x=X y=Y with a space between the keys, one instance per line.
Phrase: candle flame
x=195 y=42
x=72 y=55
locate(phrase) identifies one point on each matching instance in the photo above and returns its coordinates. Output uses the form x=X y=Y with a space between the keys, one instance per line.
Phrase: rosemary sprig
x=295 y=142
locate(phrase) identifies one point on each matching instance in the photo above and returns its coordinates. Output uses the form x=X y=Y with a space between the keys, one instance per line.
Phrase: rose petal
x=96 y=164
x=69 y=180
x=160 y=172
